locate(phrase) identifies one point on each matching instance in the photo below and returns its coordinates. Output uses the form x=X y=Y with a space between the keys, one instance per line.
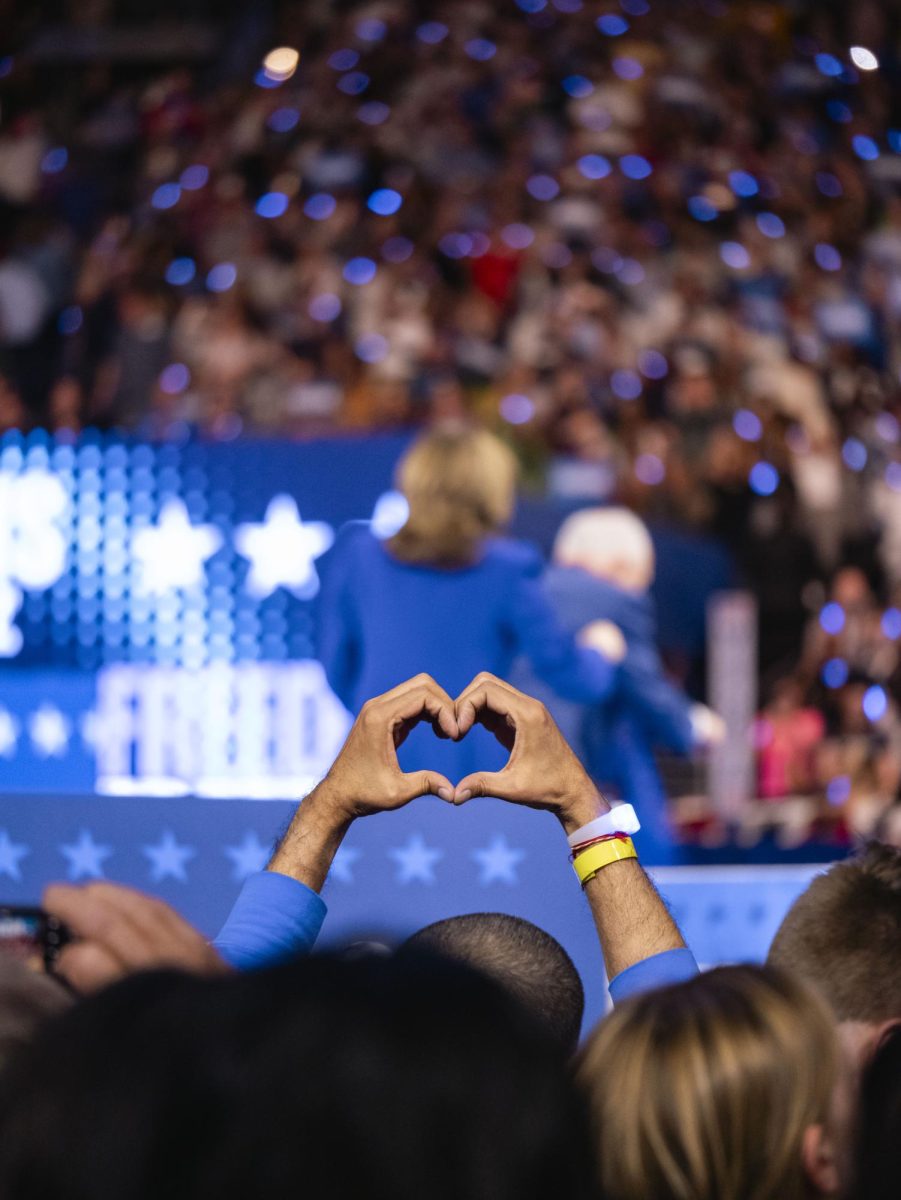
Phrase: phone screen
x=31 y=935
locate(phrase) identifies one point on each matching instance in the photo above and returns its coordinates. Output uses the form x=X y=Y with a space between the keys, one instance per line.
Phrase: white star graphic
x=498 y=861
x=342 y=867
x=11 y=853
x=168 y=858
x=86 y=857
x=248 y=858
x=10 y=603
x=9 y=733
x=49 y=731
x=281 y=550
x=171 y=554
x=415 y=861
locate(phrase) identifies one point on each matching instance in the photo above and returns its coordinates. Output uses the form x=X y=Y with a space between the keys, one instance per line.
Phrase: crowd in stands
x=656 y=246
x=450 y=1065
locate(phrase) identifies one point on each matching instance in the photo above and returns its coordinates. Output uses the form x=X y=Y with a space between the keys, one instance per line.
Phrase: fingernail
x=464 y=796
x=446 y=794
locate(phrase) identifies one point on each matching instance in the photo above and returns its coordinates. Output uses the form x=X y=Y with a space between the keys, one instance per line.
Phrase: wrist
x=313 y=838
x=582 y=808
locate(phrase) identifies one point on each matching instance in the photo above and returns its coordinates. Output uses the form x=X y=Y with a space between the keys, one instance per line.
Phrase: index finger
x=417 y=696
x=488 y=692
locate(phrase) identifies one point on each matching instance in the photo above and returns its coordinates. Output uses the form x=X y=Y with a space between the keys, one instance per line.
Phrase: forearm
x=632 y=921
x=312 y=840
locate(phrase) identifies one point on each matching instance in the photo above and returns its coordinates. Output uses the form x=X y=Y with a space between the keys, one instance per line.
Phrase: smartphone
x=32 y=936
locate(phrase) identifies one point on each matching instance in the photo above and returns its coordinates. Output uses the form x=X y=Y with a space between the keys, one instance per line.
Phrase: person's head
x=875 y=1172
x=523 y=958
x=391 y=1077
x=843 y=934
x=611 y=543
x=719 y=1088
x=460 y=485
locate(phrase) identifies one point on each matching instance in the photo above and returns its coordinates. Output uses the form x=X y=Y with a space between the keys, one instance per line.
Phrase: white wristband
x=621 y=819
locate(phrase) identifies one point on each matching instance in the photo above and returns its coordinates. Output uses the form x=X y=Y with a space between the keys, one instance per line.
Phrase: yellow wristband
x=587 y=864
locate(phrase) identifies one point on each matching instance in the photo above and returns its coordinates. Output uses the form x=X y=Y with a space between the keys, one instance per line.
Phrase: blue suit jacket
x=615 y=738
x=381 y=621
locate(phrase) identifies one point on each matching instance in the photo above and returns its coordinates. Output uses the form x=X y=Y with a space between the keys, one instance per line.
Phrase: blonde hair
x=460 y=485
x=610 y=542
x=703 y=1090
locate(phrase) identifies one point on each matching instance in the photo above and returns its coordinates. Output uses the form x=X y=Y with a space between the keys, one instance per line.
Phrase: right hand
x=542 y=771
x=366 y=776
x=120 y=931
x=604 y=637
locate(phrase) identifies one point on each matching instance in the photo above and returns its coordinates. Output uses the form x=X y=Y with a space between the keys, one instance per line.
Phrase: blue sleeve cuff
x=274 y=918
x=670 y=966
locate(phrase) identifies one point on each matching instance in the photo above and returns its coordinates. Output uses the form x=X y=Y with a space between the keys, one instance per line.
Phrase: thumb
x=428 y=783
x=481 y=783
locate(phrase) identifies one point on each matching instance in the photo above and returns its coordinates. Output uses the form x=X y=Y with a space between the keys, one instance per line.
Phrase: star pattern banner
x=395 y=872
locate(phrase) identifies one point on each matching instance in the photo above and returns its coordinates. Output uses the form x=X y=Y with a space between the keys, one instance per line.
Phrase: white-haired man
x=603 y=567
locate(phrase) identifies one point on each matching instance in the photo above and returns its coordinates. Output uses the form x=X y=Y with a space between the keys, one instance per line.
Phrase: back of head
x=843 y=936
x=611 y=543
x=393 y=1078
x=525 y=960
x=460 y=485
x=705 y=1089
x=876 y=1166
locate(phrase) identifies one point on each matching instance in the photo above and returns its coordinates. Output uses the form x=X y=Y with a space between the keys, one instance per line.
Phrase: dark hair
x=843 y=934
x=879 y=1123
x=393 y=1078
x=523 y=958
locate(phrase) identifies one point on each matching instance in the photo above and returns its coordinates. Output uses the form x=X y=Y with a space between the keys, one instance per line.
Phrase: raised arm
x=634 y=926
x=278 y=913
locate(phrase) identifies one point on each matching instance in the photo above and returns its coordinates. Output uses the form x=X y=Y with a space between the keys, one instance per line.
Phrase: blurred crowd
x=656 y=246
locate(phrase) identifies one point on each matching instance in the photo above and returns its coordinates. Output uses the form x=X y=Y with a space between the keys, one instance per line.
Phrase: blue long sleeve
x=274 y=918
x=670 y=966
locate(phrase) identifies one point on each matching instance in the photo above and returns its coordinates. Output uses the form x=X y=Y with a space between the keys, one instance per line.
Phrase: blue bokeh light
x=634 y=166
x=763 y=479
x=272 y=205
x=181 y=271
x=854 y=454
x=222 y=277
x=594 y=166
x=875 y=703
x=891 y=623
x=743 y=184
x=384 y=202
x=359 y=271
x=283 y=120
x=320 y=206
x=747 y=425
x=832 y=618
x=167 y=195
x=864 y=147
x=611 y=25
x=834 y=673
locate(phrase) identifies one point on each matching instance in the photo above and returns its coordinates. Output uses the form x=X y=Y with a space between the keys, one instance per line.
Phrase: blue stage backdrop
x=157 y=682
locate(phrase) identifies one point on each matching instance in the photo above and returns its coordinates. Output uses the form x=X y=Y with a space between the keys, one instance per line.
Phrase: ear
x=818 y=1159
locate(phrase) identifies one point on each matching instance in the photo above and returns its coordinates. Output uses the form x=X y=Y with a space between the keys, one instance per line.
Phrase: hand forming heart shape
x=541 y=772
